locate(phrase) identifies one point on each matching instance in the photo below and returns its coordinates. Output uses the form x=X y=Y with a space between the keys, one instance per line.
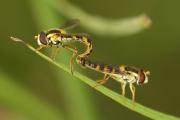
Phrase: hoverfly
x=58 y=36
x=122 y=74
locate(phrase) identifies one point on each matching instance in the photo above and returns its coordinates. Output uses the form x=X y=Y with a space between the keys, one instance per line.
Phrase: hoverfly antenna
x=36 y=37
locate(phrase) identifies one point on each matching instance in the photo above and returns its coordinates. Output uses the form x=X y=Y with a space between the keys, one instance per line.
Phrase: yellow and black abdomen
x=103 y=68
x=87 y=42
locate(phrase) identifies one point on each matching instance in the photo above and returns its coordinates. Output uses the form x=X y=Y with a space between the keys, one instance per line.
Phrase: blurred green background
x=31 y=88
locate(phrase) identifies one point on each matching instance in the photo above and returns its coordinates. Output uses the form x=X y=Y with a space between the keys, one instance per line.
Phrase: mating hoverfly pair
x=122 y=74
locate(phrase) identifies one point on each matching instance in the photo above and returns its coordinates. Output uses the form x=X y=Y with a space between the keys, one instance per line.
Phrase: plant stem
x=102 y=26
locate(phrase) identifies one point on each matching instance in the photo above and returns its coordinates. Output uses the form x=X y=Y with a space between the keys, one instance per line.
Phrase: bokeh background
x=33 y=89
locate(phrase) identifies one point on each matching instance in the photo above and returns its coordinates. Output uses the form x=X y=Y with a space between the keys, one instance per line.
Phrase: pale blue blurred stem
x=80 y=105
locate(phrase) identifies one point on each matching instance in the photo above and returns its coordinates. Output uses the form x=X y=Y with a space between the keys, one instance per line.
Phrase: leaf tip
x=16 y=39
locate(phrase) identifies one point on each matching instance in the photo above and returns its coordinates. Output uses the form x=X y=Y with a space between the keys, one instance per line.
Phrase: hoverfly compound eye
x=42 y=39
x=142 y=78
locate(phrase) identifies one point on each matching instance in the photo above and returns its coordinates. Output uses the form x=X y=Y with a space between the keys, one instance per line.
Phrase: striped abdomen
x=87 y=42
x=73 y=37
x=104 y=68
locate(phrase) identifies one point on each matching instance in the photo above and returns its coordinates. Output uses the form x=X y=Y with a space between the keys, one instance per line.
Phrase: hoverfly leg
x=74 y=50
x=102 y=81
x=132 y=88
x=123 y=86
x=39 y=48
x=54 y=53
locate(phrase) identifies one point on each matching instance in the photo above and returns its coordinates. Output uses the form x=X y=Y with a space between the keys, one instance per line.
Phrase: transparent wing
x=70 y=24
x=84 y=34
